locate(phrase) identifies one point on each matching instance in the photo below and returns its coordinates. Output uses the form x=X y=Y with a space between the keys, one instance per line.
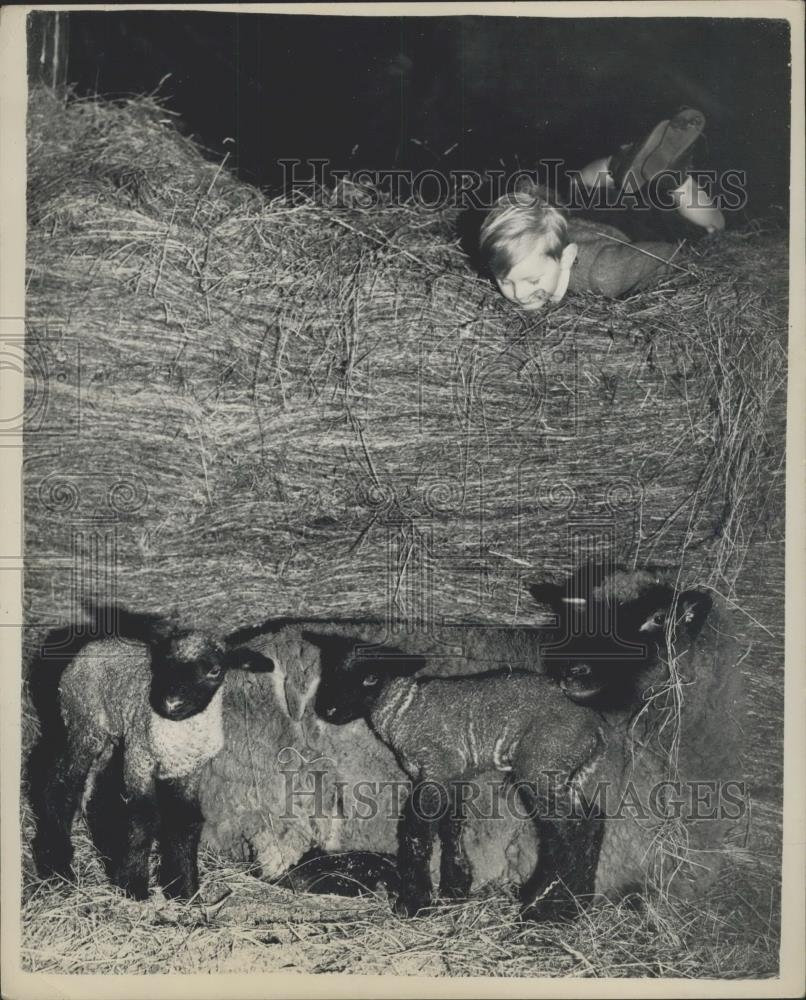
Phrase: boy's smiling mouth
x=537 y=278
x=536 y=301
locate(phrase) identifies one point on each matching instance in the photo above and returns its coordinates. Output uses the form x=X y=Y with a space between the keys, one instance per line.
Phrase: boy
x=536 y=254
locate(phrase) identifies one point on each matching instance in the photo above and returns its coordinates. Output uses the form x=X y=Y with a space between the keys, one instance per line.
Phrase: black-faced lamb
x=127 y=721
x=662 y=667
x=446 y=731
x=613 y=631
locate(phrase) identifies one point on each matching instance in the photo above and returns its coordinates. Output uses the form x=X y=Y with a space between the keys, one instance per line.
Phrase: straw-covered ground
x=241 y=407
x=242 y=925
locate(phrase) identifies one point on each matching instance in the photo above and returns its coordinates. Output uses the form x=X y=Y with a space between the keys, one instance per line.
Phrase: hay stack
x=271 y=408
x=241 y=407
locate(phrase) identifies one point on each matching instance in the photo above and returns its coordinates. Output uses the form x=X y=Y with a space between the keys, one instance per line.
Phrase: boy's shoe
x=697 y=207
x=666 y=148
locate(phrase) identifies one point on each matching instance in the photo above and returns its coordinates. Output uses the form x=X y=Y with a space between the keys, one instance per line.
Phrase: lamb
x=447 y=730
x=129 y=720
x=611 y=629
x=662 y=666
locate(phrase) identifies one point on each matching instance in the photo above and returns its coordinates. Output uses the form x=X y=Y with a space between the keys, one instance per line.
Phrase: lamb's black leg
x=181 y=822
x=55 y=779
x=568 y=855
x=106 y=812
x=416 y=835
x=455 y=874
x=141 y=822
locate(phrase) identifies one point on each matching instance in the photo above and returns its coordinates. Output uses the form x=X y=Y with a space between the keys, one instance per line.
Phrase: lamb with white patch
x=128 y=722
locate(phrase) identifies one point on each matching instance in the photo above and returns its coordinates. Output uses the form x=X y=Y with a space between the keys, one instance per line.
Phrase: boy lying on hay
x=536 y=255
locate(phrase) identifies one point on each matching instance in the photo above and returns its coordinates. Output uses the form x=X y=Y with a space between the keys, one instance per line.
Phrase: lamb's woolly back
x=103 y=697
x=628 y=585
x=296 y=674
x=462 y=726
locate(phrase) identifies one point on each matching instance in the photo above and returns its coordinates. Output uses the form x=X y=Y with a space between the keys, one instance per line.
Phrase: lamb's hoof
x=137 y=892
x=54 y=864
x=176 y=890
x=177 y=884
x=59 y=878
x=454 y=893
x=409 y=904
x=58 y=872
x=136 y=887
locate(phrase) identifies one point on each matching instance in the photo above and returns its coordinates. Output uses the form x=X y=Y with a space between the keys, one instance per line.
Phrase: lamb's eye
x=370 y=680
x=214 y=671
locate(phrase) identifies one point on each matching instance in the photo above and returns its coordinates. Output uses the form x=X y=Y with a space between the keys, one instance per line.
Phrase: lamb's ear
x=114 y=621
x=547 y=593
x=693 y=607
x=578 y=589
x=248 y=659
x=329 y=642
x=334 y=648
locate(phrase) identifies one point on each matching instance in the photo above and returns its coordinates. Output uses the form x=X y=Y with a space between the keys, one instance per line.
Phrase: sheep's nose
x=171 y=704
x=330 y=712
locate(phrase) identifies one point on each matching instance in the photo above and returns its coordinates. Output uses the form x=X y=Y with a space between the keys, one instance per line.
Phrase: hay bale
x=241 y=407
x=255 y=390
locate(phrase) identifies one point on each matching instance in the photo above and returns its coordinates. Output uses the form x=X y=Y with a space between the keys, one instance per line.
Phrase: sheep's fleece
x=244 y=790
x=104 y=696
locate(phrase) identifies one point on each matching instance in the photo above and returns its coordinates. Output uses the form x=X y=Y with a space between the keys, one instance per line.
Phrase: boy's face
x=536 y=278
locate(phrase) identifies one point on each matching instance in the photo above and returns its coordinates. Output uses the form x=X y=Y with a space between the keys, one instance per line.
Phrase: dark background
x=399 y=92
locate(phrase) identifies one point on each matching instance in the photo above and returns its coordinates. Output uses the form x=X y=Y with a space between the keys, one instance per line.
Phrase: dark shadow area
x=449 y=92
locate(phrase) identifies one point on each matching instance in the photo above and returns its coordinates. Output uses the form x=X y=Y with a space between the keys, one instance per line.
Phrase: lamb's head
x=613 y=629
x=354 y=675
x=188 y=668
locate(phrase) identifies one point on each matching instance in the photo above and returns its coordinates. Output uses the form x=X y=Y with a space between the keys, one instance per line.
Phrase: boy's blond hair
x=516 y=217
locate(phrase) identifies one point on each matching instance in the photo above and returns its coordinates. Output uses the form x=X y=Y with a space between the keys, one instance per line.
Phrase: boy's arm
x=613 y=269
